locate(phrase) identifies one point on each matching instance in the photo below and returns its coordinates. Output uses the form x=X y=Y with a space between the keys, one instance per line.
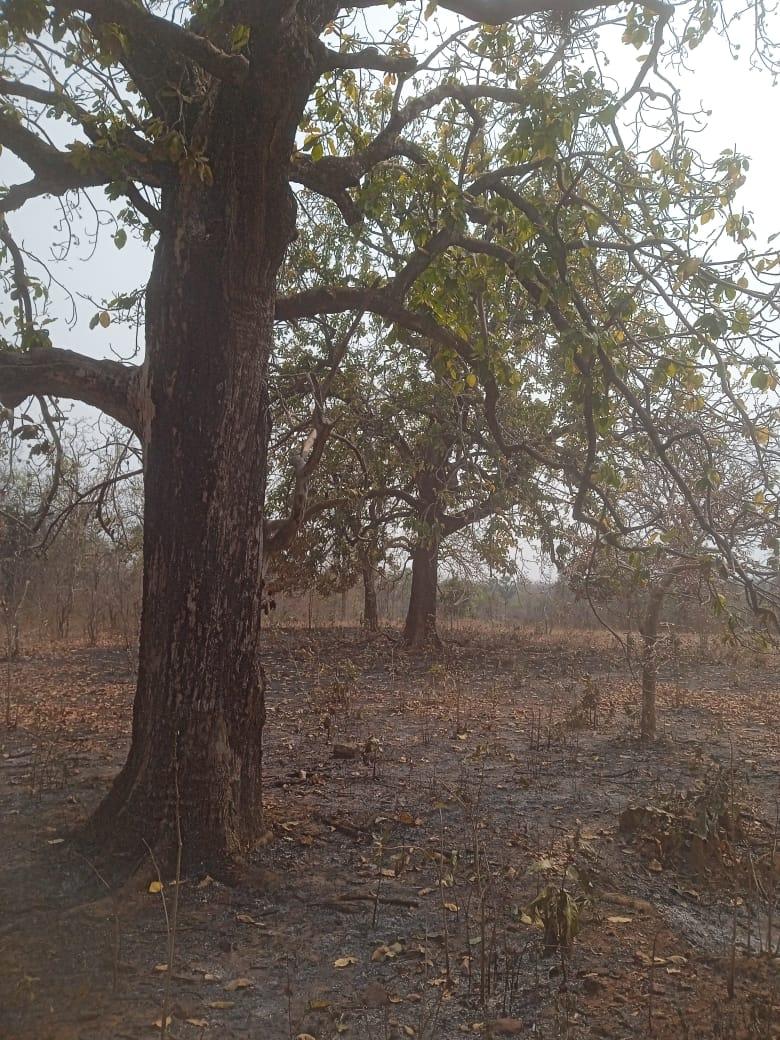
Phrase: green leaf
x=239 y=38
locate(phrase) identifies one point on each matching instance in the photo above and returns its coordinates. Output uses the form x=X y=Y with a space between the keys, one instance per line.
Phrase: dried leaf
x=240 y=983
x=248 y=919
x=344 y=962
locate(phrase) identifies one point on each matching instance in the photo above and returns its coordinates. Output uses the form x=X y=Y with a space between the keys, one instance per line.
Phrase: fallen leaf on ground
x=240 y=983
x=344 y=962
x=248 y=919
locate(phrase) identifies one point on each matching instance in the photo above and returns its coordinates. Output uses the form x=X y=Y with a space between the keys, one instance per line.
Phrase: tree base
x=425 y=641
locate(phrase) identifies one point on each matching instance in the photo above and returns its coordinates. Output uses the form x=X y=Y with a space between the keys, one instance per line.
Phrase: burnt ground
x=392 y=896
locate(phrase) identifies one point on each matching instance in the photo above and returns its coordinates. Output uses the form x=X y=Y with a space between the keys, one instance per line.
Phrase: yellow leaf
x=104 y=319
x=452 y=907
x=471 y=380
x=344 y=962
x=155 y=886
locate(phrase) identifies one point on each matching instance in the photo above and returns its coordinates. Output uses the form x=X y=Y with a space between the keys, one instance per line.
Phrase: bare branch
x=48 y=371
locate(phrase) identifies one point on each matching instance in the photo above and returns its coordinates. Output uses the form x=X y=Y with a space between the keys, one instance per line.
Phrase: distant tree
x=670 y=555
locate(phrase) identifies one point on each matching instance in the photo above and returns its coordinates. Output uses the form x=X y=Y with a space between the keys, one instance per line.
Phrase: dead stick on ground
x=371 y=897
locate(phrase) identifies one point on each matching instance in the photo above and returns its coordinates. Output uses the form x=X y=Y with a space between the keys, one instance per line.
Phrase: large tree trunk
x=370 y=611
x=195 y=758
x=420 y=627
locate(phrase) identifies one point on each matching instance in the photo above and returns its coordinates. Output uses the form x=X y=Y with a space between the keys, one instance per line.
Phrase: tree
x=671 y=555
x=478 y=161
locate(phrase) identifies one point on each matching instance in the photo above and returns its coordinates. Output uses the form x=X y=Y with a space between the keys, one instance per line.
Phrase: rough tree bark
x=370 y=609
x=199 y=707
x=420 y=625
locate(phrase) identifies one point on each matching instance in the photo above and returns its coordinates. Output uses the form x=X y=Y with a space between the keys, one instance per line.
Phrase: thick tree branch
x=142 y=24
x=57 y=172
x=48 y=371
x=369 y=58
x=332 y=176
x=496 y=12
x=381 y=300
